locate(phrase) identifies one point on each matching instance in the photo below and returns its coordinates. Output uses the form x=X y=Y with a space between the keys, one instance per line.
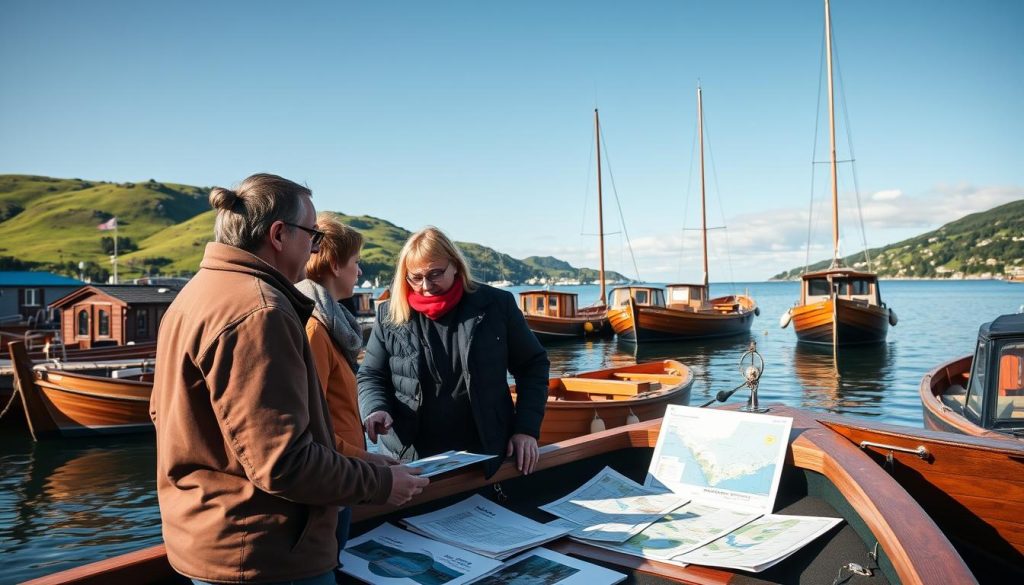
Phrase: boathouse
x=24 y=296
x=101 y=315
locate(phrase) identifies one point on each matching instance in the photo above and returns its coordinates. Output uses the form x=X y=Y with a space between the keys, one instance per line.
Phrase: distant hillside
x=987 y=244
x=163 y=228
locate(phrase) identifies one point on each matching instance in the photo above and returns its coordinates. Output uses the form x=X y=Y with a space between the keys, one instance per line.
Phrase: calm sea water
x=66 y=503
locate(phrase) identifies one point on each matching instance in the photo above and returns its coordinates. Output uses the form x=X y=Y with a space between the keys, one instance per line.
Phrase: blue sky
x=477 y=116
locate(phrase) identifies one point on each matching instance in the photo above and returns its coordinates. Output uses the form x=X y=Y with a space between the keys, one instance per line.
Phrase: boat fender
x=893 y=319
x=757 y=311
x=632 y=419
x=597 y=425
x=588 y=327
x=785 y=319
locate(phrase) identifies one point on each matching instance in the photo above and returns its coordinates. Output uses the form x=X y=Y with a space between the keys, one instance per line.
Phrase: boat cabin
x=994 y=397
x=361 y=303
x=848 y=285
x=687 y=297
x=642 y=295
x=117 y=314
x=548 y=303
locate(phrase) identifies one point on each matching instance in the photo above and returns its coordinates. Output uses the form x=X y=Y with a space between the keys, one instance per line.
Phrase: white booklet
x=481 y=526
x=760 y=544
x=447 y=461
x=541 y=566
x=721 y=458
x=389 y=555
x=612 y=507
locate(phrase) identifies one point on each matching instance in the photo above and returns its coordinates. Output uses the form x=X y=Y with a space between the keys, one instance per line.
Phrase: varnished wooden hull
x=63 y=404
x=555 y=328
x=641 y=324
x=973 y=487
x=940 y=417
x=912 y=549
x=858 y=323
x=569 y=414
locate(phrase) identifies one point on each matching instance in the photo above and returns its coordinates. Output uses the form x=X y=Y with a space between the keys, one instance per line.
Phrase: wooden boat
x=639 y=314
x=613 y=396
x=973 y=487
x=642 y=314
x=838 y=306
x=825 y=474
x=66 y=404
x=981 y=395
x=555 y=315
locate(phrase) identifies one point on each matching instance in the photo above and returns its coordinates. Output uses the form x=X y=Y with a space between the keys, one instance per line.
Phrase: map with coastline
x=724 y=457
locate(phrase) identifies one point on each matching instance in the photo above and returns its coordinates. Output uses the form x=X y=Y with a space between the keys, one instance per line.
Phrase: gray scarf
x=344 y=328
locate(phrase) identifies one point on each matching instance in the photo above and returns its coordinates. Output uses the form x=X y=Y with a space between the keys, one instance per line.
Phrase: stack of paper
x=388 y=555
x=483 y=527
x=611 y=507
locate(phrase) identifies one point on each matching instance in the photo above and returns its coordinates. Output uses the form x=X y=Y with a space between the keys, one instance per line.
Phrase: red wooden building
x=100 y=315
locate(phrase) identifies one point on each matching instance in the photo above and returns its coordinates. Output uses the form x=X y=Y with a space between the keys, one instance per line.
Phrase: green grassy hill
x=989 y=243
x=163 y=228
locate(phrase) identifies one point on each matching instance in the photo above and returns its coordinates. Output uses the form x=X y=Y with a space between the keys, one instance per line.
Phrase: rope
x=14 y=395
x=814 y=154
x=853 y=167
x=618 y=203
x=721 y=211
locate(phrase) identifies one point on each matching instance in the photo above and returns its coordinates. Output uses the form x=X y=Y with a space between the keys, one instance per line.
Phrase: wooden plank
x=664 y=379
x=611 y=387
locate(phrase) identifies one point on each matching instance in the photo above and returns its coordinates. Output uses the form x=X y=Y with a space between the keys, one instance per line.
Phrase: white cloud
x=887 y=195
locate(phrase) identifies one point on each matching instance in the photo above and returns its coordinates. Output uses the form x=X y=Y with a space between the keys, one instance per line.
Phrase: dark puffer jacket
x=493 y=340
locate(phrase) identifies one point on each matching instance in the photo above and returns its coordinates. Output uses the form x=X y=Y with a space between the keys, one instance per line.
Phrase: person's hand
x=405 y=484
x=525 y=448
x=378 y=423
x=381 y=459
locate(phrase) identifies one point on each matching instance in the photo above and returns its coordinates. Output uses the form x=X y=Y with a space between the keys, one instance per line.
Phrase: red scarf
x=436 y=306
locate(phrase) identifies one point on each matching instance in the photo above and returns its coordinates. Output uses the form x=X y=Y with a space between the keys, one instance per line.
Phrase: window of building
x=104 y=324
x=32 y=297
x=142 y=324
x=83 y=323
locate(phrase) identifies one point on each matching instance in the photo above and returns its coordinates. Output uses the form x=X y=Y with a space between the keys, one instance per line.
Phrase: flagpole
x=115 y=250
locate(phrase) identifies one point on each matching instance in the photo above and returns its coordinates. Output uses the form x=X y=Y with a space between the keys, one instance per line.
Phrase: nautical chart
x=720 y=457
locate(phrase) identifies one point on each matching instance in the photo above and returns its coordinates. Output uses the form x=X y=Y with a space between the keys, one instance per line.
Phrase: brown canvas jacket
x=248 y=478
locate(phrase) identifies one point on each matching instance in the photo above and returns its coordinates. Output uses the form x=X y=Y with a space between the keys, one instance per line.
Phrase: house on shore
x=98 y=315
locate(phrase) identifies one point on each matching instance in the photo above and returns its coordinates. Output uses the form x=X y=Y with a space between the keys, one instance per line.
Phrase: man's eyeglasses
x=434 y=276
x=316 y=235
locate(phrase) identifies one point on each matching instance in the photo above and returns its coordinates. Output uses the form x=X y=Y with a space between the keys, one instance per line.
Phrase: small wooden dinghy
x=609 y=398
x=67 y=404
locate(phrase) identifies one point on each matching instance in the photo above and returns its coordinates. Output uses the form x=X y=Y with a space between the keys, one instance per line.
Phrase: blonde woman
x=434 y=376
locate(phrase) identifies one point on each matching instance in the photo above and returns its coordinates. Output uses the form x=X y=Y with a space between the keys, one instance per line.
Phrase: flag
x=110 y=224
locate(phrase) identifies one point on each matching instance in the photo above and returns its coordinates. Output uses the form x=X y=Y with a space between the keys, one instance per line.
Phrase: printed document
x=388 y=555
x=481 y=526
x=541 y=566
x=447 y=461
x=612 y=507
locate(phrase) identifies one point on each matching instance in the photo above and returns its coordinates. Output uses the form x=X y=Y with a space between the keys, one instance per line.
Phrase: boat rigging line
x=618 y=204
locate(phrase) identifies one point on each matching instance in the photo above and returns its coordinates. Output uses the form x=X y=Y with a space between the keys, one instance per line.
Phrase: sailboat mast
x=703 y=211
x=600 y=206
x=832 y=138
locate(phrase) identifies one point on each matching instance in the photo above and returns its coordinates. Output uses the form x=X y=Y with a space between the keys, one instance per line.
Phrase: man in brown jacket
x=248 y=479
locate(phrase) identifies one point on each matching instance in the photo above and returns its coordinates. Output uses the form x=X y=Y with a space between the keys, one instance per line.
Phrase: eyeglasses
x=434 y=276
x=315 y=235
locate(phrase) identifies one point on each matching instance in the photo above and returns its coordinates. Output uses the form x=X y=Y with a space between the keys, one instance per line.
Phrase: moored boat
x=824 y=475
x=981 y=395
x=554 y=315
x=612 y=397
x=973 y=487
x=838 y=306
x=641 y=314
x=63 y=404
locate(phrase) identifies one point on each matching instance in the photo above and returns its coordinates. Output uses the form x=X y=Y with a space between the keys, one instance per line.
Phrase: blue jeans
x=325 y=579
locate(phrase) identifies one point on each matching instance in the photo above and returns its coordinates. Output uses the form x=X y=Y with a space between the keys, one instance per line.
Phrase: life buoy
x=785 y=319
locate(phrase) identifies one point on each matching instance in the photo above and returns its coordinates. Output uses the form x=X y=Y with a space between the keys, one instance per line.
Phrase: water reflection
x=857 y=380
x=87 y=496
